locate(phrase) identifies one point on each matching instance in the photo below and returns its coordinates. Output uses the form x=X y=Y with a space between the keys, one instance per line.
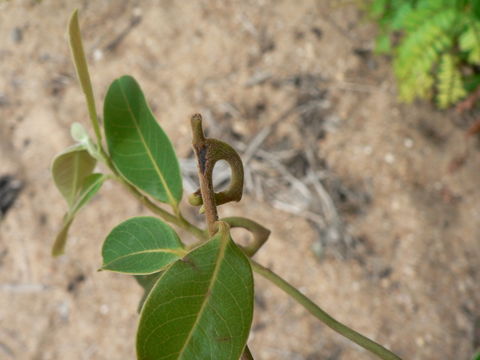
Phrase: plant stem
x=316 y=311
x=206 y=187
x=178 y=220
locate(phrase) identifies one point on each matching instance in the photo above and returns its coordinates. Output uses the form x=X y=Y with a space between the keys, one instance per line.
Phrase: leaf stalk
x=323 y=316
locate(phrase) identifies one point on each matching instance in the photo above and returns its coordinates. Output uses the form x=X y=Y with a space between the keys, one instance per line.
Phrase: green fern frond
x=418 y=54
x=470 y=42
x=449 y=82
x=439 y=48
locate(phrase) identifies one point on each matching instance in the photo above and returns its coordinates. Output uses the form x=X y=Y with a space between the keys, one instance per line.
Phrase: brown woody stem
x=200 y=145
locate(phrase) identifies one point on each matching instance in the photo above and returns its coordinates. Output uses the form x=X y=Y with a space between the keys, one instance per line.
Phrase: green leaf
x=70 y=169
x=78 y=54
x=201 y=307
x=90 y=186
x=141 y=245
x=138 y=146
x=146 y=282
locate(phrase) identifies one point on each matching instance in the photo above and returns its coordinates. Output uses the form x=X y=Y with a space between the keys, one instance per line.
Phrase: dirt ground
x=403 y=267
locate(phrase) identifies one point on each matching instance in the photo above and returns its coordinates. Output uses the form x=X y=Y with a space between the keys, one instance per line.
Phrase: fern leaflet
x=449 y=82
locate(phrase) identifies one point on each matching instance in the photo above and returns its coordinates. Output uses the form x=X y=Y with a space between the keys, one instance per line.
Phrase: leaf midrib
x=208 y=294
x=84 y=194
x=147 y=149
x=75 y=176
x=179 y=253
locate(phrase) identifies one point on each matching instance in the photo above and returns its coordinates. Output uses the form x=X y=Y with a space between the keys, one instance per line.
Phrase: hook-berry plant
x=198 y=300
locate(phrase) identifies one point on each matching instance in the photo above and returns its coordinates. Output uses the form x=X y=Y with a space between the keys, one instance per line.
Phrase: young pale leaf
x=141 y=245
x=201 y=307
x=139 y=148
x=78 y=133
x=90 y=186
x=76 y=46
x=70 y=169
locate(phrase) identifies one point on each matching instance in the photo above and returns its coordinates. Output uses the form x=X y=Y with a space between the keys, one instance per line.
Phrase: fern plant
x=435 y=44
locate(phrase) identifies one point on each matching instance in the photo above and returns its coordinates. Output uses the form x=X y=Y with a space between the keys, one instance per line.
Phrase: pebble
x=63 y=310
x=104 y=309
x=389 y=158
x=97 y=55
x=408 y=143
x=420 y=342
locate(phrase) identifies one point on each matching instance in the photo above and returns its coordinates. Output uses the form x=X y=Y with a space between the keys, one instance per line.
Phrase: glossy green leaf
x=70 y=169
x=89 y=187
x=146 y=282
x=141 y=245
x=201 y=307
x=139 y=148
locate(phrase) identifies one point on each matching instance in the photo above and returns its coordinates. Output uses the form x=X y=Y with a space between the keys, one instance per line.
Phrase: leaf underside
x=90 y=186
x=141 y=245
x=72 y=174
x=70 y=169
x=201 y=307
x=140 y=149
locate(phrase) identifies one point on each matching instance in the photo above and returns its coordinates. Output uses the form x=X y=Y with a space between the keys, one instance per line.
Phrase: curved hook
x=208 y=152
x=260 y=234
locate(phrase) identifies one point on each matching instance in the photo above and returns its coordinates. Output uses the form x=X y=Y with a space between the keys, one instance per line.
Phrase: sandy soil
x=408 y=275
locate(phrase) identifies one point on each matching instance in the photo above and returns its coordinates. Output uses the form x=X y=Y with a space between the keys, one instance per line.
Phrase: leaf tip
x=73 y=19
